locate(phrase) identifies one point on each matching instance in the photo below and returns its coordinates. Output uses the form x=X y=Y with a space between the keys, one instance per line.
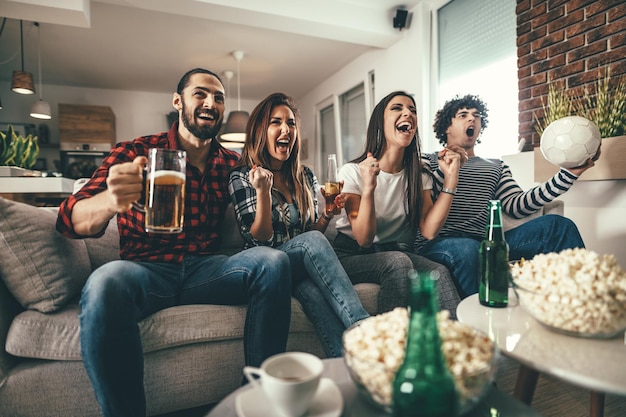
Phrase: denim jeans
x=121 y=293
x=391 y=270
x=323 y=288
x=549 y=233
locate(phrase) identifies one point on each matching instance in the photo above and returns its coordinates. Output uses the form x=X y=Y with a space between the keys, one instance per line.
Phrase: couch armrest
x=9 y=308
x=553 y=207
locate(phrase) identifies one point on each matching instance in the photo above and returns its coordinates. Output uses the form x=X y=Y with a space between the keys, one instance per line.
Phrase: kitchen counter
x=36 y=191
x=22 y=185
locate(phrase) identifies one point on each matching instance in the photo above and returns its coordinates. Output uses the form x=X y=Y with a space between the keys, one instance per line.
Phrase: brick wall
x=566 y=41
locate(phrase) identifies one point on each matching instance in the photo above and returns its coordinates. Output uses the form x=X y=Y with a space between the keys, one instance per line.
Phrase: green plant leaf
x=606 y=106
x=10 y=148
x=33 y=153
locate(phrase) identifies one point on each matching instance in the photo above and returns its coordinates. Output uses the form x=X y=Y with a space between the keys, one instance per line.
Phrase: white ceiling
x=146 y=45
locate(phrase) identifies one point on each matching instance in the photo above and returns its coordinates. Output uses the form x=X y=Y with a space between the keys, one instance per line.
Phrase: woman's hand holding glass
x=339 y=201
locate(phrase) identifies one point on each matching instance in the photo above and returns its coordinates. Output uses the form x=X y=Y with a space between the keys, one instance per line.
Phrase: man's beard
x=201 y=132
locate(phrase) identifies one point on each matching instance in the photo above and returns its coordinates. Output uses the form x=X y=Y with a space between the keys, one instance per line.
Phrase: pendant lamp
x=22 y=81
x=41 y=108
x=235 y=128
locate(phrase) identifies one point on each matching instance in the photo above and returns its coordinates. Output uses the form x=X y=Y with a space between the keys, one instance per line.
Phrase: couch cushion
x=231 y=240
x=105 y=248
x=42 y=269
x=56 y=336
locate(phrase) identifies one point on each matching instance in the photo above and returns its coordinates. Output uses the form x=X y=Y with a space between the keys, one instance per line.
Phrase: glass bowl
x=373 y=366
x=577 y=292
x=594 y=317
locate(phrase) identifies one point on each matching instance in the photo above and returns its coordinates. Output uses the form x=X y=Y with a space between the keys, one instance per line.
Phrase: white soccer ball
x=568 y=142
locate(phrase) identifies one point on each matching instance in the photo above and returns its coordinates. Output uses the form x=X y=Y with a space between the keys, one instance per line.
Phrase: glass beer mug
x=164 y=206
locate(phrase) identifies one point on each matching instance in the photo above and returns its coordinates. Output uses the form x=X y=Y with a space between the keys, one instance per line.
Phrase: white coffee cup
x=289 y=380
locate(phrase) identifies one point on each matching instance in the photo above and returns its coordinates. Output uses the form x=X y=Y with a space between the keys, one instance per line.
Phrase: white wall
x=403 y=66
x=597 y=207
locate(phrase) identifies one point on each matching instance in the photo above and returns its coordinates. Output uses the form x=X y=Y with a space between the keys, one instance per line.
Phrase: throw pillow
x=42 y=269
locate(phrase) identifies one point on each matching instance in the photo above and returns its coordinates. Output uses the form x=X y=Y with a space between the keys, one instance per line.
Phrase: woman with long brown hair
x=387 y=198
x=275 y=201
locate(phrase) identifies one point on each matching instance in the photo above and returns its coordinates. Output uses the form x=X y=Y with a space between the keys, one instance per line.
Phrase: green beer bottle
x=493 y=263
x=423 y=386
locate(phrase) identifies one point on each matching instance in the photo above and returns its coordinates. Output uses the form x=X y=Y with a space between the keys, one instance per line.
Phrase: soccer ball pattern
x=568 y=142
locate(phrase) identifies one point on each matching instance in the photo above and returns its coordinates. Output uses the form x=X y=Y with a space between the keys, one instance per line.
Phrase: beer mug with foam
x=165 y=191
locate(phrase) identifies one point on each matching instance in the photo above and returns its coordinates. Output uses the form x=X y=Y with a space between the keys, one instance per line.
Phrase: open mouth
x=208 y=116
x=404 y=126
x=470 y=131
x=283 y=144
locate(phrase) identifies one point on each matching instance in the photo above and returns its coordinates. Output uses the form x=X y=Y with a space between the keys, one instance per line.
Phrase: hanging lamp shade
x=235 y=128
x=41 y=108
x=22 y=81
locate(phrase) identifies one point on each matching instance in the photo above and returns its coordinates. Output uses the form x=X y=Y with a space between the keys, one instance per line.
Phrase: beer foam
x=169 y=173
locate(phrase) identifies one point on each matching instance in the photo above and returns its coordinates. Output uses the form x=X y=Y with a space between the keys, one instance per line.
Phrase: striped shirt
x=481 y=180
x=285 y=216
x=206 y=199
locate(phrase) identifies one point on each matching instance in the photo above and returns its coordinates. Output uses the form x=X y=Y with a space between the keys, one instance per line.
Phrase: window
x=351 y=111
x=478 y=55
x=353 y=123
x=327 y=128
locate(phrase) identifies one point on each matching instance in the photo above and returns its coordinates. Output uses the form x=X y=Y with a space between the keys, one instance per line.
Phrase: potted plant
x=606 y=107
x=17 y=151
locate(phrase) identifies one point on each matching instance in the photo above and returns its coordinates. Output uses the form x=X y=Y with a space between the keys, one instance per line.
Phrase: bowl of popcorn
x=374 y=350
x=576 y=292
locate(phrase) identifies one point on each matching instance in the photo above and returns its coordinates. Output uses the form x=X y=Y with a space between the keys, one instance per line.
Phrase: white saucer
x=327 y=402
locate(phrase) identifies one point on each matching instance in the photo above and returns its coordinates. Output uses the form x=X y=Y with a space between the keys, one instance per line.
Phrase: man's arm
x=518 y=203
x=89 y=215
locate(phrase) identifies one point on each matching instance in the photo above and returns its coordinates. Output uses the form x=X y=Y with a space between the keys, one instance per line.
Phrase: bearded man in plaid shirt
x=157 y=271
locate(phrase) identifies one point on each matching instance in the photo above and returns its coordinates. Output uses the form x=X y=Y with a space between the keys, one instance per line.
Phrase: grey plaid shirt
x=285 y=217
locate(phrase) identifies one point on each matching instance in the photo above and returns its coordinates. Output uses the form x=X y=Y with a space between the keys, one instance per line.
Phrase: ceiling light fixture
x=22 y=81
x=41 y=108
x=235 y=128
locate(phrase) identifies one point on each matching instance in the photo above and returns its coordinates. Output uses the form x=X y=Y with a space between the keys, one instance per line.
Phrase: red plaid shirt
x=206 y=199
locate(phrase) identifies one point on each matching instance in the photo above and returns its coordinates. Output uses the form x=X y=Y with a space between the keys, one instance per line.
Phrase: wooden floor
x=553 y=398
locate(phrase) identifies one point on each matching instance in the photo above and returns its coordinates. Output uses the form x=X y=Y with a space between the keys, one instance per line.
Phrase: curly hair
x=443 y=118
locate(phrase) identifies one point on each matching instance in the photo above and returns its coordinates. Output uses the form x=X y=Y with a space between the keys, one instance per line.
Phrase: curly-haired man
x=459 y=124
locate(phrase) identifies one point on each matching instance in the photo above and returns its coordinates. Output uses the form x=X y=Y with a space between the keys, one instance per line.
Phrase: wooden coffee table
x=356 y=406
x=595 y=364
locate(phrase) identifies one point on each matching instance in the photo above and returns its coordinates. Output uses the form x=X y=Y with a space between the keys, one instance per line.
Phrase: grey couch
x=193 y=354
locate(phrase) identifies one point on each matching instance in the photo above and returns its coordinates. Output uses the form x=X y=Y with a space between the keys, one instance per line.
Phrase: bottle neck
x=495 y=231
x=331 y=169
x=423 y=341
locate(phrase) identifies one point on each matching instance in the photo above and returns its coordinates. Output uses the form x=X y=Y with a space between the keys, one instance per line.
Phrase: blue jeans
x=323 y=288
x=121 y=293
x=549 y=233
